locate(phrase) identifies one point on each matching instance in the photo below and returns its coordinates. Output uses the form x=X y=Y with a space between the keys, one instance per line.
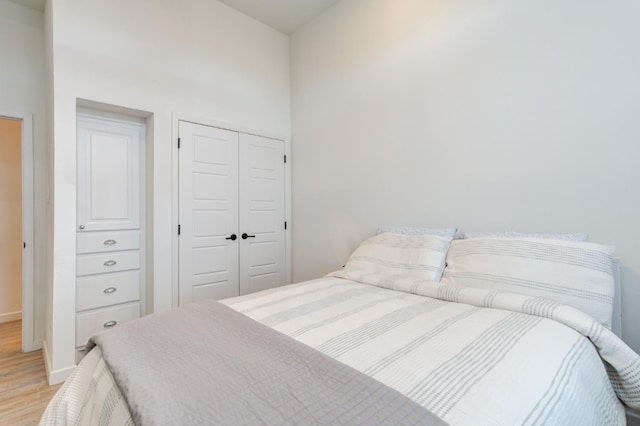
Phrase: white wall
x=22 y=77
x=196 y=58
x=485 y=115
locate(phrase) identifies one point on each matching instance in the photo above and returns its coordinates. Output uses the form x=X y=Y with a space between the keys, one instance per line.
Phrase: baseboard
x=33 y=346
x=54 y=376
x=10 y=316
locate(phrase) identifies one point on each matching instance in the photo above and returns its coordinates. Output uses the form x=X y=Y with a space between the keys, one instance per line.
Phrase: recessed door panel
x=108 y=175
x=208 y=150
x=267 y=221
x=212 y=187
x=265 y=281
x=209 y=223
x=264 y=254
x=264 y=191
x=209 y=260
x=217 y=290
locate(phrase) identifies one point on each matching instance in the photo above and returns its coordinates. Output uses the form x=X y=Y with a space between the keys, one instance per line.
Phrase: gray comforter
x=208 y=364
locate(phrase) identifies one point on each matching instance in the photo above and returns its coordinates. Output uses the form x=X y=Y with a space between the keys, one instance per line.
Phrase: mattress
x=469 y=363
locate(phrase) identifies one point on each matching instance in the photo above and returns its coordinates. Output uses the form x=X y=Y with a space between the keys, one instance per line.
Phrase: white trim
x=10 y=316
x=176 y=117
x=208 y=121
x=107 y=109
x=28 y=290
x=55 y=376
x=149 y=227
x=287 y=211
x=175 y=210
x=109 y=116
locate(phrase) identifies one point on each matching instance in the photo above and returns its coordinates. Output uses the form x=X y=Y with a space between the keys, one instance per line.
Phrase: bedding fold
x=205 y=363
x=621 y=362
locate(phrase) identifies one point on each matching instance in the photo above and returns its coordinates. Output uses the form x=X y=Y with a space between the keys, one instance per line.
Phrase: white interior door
x=262 y=213
x=108 y=174
x=208 y=212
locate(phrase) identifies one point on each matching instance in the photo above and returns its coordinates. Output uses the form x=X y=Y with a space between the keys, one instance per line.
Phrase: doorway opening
x=16 y=226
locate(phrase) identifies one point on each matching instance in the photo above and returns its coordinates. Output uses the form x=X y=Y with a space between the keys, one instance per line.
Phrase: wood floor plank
x=24 y=391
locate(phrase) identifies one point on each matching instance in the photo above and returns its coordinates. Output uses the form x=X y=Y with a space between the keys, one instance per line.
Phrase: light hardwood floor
x=24 y=392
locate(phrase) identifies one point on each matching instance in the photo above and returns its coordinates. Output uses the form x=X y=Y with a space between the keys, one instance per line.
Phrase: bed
x=417 y=328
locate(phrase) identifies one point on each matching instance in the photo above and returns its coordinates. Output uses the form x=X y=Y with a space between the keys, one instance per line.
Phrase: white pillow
x=411 y=230
x=420 y=256
x=574 y=273
x=571 y=237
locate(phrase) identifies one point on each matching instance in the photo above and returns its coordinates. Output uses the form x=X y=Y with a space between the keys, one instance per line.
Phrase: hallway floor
x=24 y=392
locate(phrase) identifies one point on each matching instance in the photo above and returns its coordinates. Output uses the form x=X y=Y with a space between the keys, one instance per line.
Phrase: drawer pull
x=110 y=324
x=109 y=242
x=110 y=263
x=109 y=290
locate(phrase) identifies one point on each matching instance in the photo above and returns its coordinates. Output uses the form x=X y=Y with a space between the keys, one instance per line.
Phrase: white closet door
x=208 y=212
x=262 y=213
x=108 y=175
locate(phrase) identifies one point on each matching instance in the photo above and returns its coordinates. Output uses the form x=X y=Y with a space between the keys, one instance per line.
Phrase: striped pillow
x=511 y=234
x=420 y=256
x=411 y=230
x=574 y=273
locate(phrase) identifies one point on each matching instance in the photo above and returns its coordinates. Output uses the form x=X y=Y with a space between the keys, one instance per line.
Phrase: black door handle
x=245 y=236
x=233 y=237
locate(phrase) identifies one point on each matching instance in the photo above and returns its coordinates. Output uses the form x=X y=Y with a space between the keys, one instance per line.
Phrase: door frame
x=197 y=118
x=28 y=290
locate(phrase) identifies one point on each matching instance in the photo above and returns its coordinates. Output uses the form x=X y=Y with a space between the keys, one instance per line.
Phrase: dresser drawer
x=96 y=291
x=93 y=322
x=116 y=261
x=99 y=242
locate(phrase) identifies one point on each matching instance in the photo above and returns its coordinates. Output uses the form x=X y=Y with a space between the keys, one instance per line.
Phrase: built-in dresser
x=109 y=238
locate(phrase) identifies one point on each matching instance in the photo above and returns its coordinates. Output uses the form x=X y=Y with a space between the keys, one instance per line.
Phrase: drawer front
x=93 y=322
x=96 y=291
x=116 y=261
x=99 y=242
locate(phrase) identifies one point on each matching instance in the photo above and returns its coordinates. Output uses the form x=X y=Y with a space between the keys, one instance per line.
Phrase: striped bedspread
x=471 y=356
x=467 y=363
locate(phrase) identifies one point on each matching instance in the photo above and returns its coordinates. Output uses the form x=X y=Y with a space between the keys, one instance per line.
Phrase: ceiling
x=283 y=15
x=34 y=4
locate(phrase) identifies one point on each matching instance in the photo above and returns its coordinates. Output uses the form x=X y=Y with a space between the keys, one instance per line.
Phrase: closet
x=110 y=231
x=231 y=212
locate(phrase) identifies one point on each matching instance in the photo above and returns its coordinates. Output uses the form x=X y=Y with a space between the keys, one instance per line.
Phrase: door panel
x=208 y=212
x=108 y=175
x=262 y=213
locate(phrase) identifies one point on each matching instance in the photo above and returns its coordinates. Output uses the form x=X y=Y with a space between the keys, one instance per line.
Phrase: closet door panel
x=262 y=213
x=108 y=175
x=208 y=212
